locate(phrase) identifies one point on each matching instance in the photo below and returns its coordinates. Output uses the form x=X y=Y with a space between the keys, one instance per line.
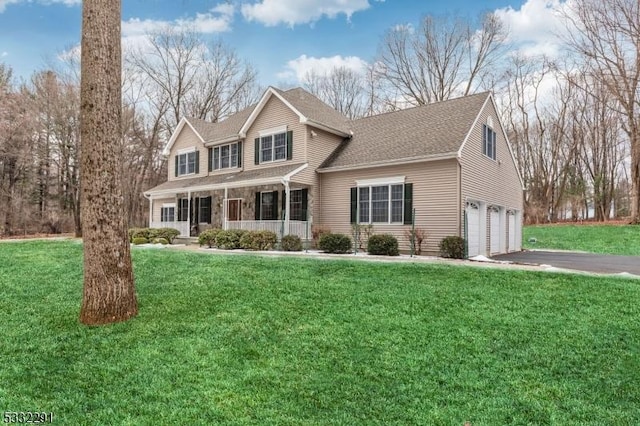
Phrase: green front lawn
x=607 y=239
x=257 y=340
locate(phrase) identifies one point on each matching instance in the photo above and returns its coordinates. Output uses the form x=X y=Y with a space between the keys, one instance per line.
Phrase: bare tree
x=109 y=291
x=182 y=76
x=444 y=57
x=342 y=88
x=607 y=35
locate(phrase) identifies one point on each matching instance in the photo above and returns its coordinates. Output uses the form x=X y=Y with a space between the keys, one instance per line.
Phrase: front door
x=234 y=210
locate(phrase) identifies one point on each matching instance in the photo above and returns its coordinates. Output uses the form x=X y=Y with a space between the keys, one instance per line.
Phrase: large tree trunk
x=109 y=292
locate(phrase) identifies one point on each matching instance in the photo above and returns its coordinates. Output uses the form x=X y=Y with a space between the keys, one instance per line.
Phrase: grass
x=606 y=239
x=256 y=340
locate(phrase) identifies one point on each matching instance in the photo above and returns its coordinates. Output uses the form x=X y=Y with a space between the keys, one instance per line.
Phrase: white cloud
x=5 y=3
x=292 y=12
x=4 y=54
x=535 y=28
x=299 y=67
x=217 y=19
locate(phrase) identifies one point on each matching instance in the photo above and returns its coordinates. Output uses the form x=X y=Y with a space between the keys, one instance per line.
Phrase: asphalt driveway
x=600 y=263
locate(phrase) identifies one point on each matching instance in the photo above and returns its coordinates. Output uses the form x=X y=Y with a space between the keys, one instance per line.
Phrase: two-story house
x=291 y=161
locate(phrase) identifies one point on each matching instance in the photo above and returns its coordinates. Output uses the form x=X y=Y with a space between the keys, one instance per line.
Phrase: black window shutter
x=210 y=167
x=240 y=154
x=305 y=192
x=289 y=145
x=205 y=209
x=257 y=153
x=176 y=170
x=408 y=203
x=179 y=210
x=197 y=162
x=274 y=212
x=195 y=210
x=258 y=199
x=354 y=204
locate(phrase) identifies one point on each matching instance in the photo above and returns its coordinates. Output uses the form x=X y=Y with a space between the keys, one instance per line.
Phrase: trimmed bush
x=138 y=233
x=258 y=240
x=335 y=243
x=229 y=239
x=167 y=233
x=208 y=237
x=452 y=247
x=291 y=243
x=160 y=240
x=383 y=244
x=139 y=240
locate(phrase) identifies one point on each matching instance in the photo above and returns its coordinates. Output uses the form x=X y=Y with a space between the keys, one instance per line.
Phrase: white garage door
x=512 y=231
x=495 y=231
x=473 y=229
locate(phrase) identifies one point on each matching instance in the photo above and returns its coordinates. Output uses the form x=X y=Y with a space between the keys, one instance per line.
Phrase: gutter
x=402 y=161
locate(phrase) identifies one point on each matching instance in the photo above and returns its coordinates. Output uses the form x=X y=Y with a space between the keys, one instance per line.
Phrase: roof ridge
x=415 y=107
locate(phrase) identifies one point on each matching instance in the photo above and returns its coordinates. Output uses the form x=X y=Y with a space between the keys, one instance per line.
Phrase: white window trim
x=219 y=147
x=169 y=205
x=389 y=207
x=396 y=180
x=186 y=150
x=272 y=131
x=273 y=146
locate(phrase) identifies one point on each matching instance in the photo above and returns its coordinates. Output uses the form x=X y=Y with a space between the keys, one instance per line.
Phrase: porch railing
x=296 y=227
x=183 y=227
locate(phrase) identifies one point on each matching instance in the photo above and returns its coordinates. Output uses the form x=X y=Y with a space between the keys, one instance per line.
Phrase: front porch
x=296 y=227
x=276 y=203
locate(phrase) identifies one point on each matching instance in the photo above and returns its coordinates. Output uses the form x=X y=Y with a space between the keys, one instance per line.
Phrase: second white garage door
x=495 y=230
x=473 y=229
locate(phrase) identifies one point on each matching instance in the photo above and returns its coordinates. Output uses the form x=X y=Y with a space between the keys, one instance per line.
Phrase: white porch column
x=224 y=208
x=287 y=202
x=188 y=213
x=150 y=210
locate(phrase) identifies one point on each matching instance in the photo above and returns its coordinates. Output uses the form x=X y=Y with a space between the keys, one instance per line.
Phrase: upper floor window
x=186 y=163
x=488 y=142
x=225 y=156
x=274 y=145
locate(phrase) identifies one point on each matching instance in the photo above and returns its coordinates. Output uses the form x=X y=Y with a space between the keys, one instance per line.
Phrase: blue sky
x=282 y=38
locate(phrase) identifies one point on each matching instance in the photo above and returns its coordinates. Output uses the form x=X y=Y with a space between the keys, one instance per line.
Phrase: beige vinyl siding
x=274 y=114
x=187 y=139
x=435 y=188
x=500 y=184
x=157 y=206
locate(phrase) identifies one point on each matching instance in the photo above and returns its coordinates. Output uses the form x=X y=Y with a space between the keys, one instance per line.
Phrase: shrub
x=316 y=233
x=258 y=240
x=384 y=244
x=167 y=233
x=208 y=237
x=452 y=247
x=334 y=243
x=160 y=240
x=362 y=233
x=418 y=235
x=139 y=240
x=138 y=233
x=291 y=243
x=229 y=239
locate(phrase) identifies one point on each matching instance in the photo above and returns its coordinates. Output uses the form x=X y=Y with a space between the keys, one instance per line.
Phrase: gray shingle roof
x=224 y=129
x=227 y=179
x=314 y=109
x=424 y=131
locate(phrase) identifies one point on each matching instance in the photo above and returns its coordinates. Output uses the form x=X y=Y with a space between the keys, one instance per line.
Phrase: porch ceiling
x=243 y=178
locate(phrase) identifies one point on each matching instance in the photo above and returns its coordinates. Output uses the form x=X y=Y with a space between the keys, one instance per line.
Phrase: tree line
x=573 y=123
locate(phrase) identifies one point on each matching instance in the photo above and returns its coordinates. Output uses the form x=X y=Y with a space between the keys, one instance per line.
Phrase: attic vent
x=489 y=121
